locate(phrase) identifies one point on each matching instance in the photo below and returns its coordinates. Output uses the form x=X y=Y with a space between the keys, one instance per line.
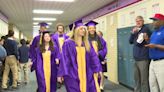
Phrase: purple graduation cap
x=71 y=27
x=78 y=23
x=43 y=24
x=91 y=23
x=46 y=32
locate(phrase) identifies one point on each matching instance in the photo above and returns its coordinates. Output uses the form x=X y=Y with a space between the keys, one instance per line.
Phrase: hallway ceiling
x=20 y=12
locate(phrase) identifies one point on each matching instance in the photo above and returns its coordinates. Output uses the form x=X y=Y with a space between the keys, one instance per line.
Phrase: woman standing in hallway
x=37 y=41
x=45 y=64
x=100 y=47
x=79 y=62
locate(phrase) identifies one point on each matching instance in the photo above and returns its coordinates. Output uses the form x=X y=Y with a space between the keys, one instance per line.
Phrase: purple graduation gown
x=38 y=66
x=33 y=46
x=69 y=68
x=102 y=53
x=56 y=36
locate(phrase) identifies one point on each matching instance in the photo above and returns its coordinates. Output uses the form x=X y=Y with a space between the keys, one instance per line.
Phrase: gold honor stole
x=47 y=69
x=95 y=46
x=61 y=41
x=81 y=61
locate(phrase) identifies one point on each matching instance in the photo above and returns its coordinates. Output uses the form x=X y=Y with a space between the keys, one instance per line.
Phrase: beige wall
x=124 y=18
x=112 y=47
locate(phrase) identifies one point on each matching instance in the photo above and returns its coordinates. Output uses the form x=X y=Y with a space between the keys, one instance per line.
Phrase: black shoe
x=14 y=88
x=59 y=85
x=19 y=83
x=25 y=83
x=102 y=90
x=4 y=89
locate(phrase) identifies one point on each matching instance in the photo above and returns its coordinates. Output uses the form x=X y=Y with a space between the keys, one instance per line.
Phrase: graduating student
x=103 y=63
x=99 y=45
x=59 y=37
x=70 y=30
x=37 y=40
x=45 y=64
x=71 y=27
x=79 y=62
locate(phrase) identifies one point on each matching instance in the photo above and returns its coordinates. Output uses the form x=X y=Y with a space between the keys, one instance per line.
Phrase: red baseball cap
x=158 y=17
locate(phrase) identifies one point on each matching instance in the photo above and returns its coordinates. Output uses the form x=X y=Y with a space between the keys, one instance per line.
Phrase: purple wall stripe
x=3 y=17
x=116 y=5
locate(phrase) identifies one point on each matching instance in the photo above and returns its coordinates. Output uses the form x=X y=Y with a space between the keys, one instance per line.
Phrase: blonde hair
x=84 y=38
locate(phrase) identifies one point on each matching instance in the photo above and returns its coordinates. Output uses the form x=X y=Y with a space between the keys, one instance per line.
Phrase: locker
x=125 y=58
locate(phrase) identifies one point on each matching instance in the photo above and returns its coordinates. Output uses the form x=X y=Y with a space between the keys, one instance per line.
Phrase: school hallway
x=75 y=38
x=31 y=87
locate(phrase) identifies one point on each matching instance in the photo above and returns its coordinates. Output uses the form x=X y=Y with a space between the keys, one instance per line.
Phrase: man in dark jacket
x=11 y=60
x=23 y=60
x=139 y=37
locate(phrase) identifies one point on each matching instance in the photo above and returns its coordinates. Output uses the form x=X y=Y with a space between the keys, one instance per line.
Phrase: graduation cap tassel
x=40 y=42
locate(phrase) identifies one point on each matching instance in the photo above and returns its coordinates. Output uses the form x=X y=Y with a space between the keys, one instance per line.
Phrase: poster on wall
x=3 y=28
x=155 y=8
x=132 y=17
x=103 y=26
x=143 y=13
x=98 y=27
x=123 y=19
x=111 y=20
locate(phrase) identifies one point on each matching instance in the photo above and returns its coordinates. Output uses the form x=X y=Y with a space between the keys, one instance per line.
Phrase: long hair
x=95 y=37
x=42 y=45
x=84 y=38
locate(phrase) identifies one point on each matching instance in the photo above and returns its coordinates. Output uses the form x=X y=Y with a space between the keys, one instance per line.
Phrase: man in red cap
x=156 y=54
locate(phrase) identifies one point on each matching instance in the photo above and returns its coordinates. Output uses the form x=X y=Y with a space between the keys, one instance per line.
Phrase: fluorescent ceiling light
x=37 y=27
x=48 y=11
x=36 y=23
x=45 y=19
x=58 y=0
